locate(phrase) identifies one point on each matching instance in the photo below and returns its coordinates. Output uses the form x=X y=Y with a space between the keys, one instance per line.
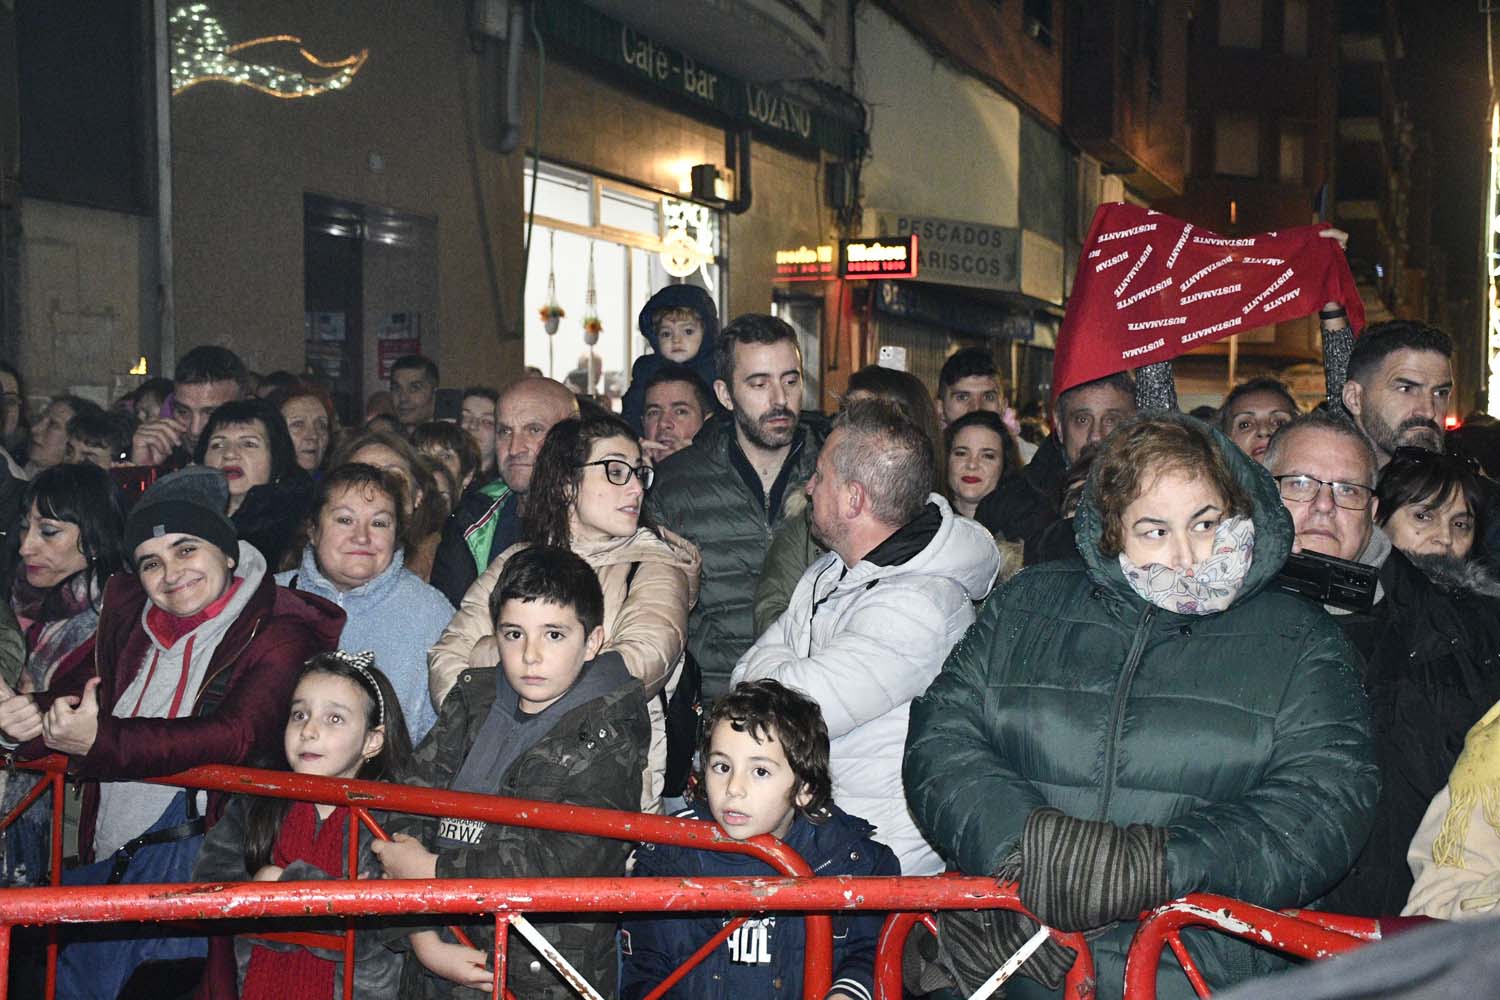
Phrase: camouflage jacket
x=593 y=756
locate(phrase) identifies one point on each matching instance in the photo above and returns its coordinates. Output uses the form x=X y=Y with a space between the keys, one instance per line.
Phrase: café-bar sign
x=805 y=263
x=878 y=257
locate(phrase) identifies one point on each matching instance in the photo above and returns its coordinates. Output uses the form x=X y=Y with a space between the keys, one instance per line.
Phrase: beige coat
x=1446 y=892
x=648 y=628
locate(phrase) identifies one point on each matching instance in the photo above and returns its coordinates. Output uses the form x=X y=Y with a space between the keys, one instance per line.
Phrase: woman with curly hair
x=588 y=490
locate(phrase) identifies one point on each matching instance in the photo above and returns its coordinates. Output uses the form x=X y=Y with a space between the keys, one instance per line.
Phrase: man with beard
x=1400 y=382
x=724 y=492
x=488 y=519
x=1430 y=653
x=872 y=621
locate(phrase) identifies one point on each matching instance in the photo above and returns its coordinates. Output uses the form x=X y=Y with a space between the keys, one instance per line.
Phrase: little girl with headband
x=344 y=722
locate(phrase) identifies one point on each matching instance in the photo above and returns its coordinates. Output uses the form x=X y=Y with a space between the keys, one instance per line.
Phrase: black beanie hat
x=190 y=501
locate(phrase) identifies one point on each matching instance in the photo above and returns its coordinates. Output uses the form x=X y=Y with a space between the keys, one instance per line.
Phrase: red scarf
x=299 y=974
x=1150 y=287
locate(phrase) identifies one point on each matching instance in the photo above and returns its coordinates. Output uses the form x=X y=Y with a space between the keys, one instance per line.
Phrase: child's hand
x=269 y=873
x=405 y=857
x=453 y=962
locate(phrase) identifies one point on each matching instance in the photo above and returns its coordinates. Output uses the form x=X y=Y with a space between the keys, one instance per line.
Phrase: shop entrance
x=623 y=244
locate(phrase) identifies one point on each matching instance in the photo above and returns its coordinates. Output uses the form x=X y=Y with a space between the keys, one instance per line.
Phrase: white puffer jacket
x=864 y=643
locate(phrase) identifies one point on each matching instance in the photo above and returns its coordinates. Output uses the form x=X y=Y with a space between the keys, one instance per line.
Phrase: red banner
x=1150 y=287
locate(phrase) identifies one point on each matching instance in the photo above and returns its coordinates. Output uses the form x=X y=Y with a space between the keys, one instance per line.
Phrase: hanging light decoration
x=202 y=53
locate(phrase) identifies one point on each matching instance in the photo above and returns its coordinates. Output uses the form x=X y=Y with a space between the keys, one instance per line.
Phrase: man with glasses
x=1430 y=655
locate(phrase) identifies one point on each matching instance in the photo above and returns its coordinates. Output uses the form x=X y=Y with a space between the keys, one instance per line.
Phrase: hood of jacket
x=646 y=546
x=1273 y=525
x=960 y=550
x=682 y=297
x=311 y=578
x=1450 y=573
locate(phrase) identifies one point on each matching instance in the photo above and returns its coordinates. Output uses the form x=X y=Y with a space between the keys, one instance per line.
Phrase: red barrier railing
x=51 y=780
x=1303 y=933
x=962 y=893
x=361 y=796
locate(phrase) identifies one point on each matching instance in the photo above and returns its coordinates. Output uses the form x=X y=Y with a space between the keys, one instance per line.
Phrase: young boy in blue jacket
x=764 y=769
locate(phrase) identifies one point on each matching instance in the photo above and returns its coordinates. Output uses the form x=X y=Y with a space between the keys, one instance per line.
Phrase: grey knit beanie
x=190 y=501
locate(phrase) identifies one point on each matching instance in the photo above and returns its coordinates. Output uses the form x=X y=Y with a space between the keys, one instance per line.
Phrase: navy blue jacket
x=764 y=957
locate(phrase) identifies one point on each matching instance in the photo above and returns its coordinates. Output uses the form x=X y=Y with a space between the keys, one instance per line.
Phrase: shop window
x=1237 y=146
x=1240 y=24
x=624 y=244
x=1293 y=154
x=805 y=314
x=1294 y=28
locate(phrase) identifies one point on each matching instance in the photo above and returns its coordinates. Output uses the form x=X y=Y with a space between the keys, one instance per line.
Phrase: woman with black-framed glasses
x=1429 y=503
x=588 y=492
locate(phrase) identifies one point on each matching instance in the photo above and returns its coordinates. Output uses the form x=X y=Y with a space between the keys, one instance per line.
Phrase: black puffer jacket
x=1022 y=506
x=1432 y=654
x=704 y=494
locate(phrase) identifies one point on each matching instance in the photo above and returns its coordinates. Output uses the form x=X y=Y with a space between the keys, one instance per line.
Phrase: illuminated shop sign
x=879 y=257
x=805 y=263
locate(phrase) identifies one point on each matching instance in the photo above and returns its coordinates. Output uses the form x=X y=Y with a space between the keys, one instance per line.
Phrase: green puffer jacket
x=701 y=495
x=1245 y=733
x=593 y=756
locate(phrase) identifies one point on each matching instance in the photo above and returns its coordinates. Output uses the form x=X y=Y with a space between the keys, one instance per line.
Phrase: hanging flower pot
x=552 y=315
x=591 y=330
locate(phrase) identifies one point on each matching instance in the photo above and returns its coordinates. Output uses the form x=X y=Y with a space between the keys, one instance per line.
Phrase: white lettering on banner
x=1178 y=248
x=1277 y=261
x=1095 y=253
x=1122 y=233
x=1281 y=300
x=1218 y=241
x=1134 y=270
x=1152 y=324
x=1193 y=280
x=1270 y=289
x=1136 y=352
x=864 y=252
x=1106 y=264
x=642 y=53
x=1207 y=331
x=1164 y=283
x=1210 y=293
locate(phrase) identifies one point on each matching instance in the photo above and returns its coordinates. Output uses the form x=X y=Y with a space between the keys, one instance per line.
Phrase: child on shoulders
x=764 y=770
x=551 y=723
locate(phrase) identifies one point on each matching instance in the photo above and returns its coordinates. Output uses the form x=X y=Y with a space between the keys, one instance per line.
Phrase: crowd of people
x=920 y=636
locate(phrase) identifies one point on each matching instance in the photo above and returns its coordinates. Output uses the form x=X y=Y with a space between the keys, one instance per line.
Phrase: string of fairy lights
x=202 y=53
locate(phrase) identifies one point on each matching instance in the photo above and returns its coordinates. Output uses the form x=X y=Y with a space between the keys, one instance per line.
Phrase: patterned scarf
x=299 y=974
x=1209 y=586
x=55 y=620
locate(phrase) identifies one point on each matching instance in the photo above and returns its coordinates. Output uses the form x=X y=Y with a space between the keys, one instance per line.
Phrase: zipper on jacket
x=208 y=679
x=1117 y=709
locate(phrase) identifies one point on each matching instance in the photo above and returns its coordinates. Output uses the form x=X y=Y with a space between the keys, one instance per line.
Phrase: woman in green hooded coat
x=1152 y=720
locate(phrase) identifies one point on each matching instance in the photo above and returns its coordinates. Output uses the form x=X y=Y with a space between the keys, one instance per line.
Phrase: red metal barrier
x=361 y=796
x=51 y=780
x=964 y=893
x=1292 y=933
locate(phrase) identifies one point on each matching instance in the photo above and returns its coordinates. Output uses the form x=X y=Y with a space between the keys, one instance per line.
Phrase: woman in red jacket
x=194 y=663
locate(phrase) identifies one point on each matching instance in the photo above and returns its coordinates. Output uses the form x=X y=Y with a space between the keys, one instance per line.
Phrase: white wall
x=921 y=111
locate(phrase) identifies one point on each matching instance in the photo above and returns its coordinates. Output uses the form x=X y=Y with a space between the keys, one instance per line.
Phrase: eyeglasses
x=1305 y=489
x=1421 y=456
x=618 y=472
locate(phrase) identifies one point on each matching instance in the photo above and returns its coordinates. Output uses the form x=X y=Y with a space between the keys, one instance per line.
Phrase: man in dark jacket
x=1022 y=506
x=1432 y=657
x=725 y=492
x=488 y=520
x=1399 y=388
x=206 y=378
